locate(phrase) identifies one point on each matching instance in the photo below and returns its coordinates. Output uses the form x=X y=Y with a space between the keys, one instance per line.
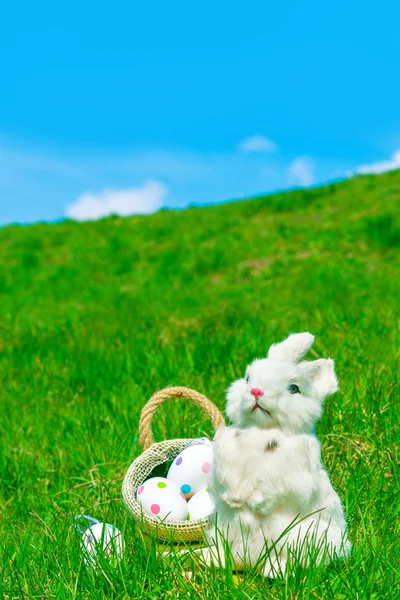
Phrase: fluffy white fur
x=273 y=498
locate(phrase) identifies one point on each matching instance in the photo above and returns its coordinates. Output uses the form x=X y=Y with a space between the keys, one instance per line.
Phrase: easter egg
x=191 y=468
x=162 y=498
x=102 y=539
x=200 y=505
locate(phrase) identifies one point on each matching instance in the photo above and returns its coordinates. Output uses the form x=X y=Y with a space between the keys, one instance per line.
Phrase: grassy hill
x=97 y=316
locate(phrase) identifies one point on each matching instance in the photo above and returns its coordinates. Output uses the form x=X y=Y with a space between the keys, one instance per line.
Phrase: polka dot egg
x=191 y=469
x=162 y=498
x=102 y=538
x=200 y=505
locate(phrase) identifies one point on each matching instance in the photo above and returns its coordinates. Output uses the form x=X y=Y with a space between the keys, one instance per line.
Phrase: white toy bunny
x=273 y=498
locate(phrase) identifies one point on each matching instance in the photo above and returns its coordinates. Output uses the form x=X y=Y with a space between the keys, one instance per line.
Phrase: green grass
x=97 y=316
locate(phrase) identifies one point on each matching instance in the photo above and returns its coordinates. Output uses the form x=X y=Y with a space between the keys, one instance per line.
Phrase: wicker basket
x=157 y=453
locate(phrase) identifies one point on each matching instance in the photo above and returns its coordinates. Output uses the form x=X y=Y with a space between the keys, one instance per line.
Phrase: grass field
x=97 y=316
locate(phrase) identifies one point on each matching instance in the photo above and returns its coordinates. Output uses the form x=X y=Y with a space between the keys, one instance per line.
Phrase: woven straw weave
x=156 y=454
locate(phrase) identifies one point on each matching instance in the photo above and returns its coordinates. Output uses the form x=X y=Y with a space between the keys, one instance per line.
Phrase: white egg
x=102 y=539
x=162 y=498
x=200 y=505
x=191 y=469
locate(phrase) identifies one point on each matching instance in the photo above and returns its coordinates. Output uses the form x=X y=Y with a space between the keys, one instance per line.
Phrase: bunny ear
x=293 y=348
x=322 y=375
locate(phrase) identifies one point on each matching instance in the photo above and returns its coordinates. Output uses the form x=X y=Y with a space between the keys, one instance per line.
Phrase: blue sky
x=126 y=106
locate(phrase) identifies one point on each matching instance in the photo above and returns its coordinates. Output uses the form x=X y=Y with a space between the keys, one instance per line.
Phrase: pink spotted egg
x=191 y=469
x=162 y=498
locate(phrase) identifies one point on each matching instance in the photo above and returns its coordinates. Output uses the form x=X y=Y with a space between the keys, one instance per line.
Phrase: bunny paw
x=232 y=500
x=259 y=503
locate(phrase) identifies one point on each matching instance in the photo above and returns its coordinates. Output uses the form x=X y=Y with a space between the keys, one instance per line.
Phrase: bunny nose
x=257 y=392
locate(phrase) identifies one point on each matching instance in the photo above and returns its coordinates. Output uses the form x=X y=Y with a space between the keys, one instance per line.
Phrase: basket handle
x=145 y=434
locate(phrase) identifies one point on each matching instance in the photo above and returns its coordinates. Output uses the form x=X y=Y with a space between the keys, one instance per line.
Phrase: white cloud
x=46 y=184
x=381 y=166
x=257 y=143
x=301 y=171
x=141 y=200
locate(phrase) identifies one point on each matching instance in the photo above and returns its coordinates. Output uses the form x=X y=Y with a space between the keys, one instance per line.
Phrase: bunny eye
x=247 y=378
x=294 y=389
